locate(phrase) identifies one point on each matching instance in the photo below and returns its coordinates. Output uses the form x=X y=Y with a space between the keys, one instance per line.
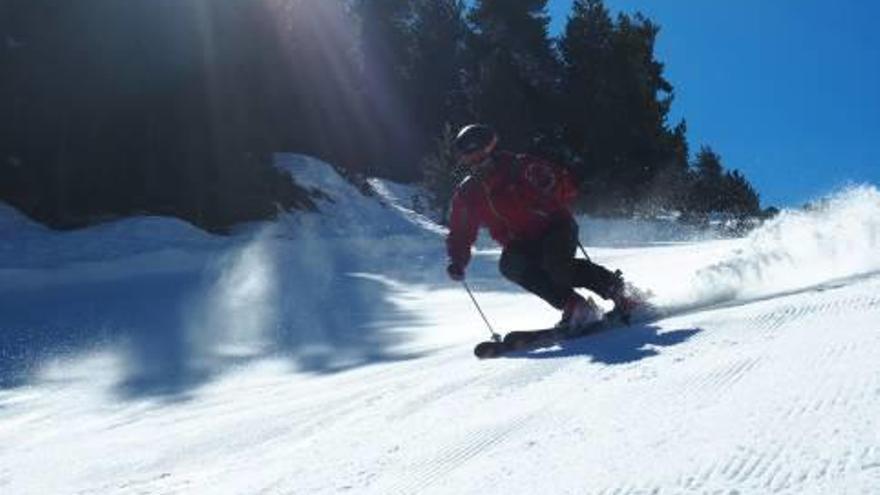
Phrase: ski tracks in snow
x=470 y=428
x=741 y=407
x=463 y=446
x=774 y=396
x=787 y=393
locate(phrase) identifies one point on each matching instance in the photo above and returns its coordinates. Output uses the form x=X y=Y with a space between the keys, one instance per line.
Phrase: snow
x=326 y=352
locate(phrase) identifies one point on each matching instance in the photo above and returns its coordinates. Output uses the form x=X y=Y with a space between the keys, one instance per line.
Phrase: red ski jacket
x=519 y=198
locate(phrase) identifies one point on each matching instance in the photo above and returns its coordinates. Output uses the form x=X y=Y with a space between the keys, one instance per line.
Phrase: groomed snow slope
x=326 y=353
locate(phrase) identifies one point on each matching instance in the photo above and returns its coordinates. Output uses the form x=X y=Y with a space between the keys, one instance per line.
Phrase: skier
x=525 y=202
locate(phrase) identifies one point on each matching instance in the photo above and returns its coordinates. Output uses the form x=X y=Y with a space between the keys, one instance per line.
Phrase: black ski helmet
x=474 y=137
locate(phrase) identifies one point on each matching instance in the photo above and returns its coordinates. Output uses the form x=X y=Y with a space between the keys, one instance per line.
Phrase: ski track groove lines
x=721 y=380
x=809 y=414
x=779 y=317
x=501 y=383
x=527 y=372
x=498 y=376
x=324 y=414
x=147 y=484
x=777 y=398
x=421 y=476
x=377 y=387
x=438 y=393
x=870 y=460
x=774 y=457
x=843 y=391
x=813 y=414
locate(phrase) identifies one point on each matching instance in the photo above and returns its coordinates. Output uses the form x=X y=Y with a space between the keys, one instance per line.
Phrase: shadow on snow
x=169 y=333
x=615 y=346
x=326 y=306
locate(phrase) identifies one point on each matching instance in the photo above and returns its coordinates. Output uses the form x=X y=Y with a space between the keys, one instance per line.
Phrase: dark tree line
x=111 y=108
x=594 y=99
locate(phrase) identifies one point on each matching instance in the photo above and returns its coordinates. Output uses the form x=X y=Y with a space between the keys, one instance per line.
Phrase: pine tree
x=706 y=186
x=585 y=48
x=586 y=51
x=387 y=39
x=513 y=76
x=180 y=111
x=617 y=103
x=714 y=190
x=158 y=108
x=438 y=54
x=742 y=200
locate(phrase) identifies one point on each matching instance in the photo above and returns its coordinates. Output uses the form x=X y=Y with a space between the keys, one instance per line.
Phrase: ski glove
x=455 y=271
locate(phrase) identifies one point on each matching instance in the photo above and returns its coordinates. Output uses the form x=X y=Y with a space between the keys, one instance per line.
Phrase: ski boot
x=625 y=300
x=577 y=315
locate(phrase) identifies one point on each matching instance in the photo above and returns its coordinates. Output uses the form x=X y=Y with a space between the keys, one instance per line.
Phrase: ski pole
x=583 y=250
x=495 y=336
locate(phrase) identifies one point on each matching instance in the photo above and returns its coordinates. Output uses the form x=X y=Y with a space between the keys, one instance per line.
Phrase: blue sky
x=787 y=91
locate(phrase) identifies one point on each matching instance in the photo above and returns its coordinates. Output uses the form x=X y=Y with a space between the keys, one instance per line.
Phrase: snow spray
x=837 y=237
x=237 y=315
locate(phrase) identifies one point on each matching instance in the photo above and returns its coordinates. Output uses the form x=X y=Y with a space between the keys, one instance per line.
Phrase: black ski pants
x=547 y=266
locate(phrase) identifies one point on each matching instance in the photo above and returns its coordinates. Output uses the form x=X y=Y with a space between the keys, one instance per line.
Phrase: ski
x=526 y=340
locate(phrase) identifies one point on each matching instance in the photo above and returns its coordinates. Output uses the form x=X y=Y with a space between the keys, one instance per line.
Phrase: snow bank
x=33 y=256
x=343 y=209
x=14 y=225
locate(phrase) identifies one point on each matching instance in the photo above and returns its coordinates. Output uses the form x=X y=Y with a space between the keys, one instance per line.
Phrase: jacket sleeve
x=463 y=228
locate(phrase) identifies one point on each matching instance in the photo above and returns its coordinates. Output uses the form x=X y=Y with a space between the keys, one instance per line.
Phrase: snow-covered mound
x=15 y=225
x=344 y=209
x=26 y=244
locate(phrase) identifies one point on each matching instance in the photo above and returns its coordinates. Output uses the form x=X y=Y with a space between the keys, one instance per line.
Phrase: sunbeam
x=345 y=93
